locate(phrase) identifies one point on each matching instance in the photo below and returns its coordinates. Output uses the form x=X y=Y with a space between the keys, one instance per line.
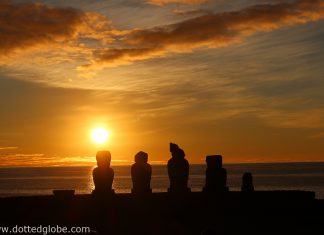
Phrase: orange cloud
x=8 y=148
x=26 y=26
x=163 y=2
x=39 y=159
x=191 y=12
x=210 y=30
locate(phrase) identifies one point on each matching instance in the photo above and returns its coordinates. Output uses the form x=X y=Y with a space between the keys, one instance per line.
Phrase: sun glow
x=100 y=135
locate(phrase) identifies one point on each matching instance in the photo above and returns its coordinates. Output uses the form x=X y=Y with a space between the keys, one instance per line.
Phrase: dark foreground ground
x=271 y=212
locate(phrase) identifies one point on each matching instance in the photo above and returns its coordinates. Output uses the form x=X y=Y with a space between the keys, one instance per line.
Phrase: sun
x=100 y=135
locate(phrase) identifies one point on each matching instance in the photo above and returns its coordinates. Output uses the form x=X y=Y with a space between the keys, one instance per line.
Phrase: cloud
x=30 y=25
x=38 y=159
x=16 y=159
x=29 y=155
x=191 y=12
x=163 y=2
x=293 y=118
x=8 y=148
x=211 y=30
x=318 y=136
x=52 y=35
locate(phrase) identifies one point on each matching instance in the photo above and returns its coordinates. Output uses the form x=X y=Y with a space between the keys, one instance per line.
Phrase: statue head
x=173 y=147
x=103 y=159
x=214 y=161
x=141 y=157
x=176 y=152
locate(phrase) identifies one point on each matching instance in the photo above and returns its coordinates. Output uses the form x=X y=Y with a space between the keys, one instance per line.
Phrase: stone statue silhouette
x=141 y=173
x=103 y=174
x=247 y=182
x=178 y=170
x=216 y=175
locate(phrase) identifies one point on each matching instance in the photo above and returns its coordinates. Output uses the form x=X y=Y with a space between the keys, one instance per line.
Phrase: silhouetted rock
x=216 y=175
x=178 y=170
x=141 y=174
x=103 y=174
x=247 y=182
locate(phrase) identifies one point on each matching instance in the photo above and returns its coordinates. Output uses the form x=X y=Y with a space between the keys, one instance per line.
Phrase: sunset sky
x=241 y=78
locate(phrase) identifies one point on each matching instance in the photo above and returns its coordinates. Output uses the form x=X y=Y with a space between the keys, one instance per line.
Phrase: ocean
x=22 y=181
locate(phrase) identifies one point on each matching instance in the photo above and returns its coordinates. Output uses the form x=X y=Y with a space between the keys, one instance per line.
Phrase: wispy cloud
x=318 y=136
x=191 y=12
x=29 y=155
x=163 y=2
x=8 y=148
x=37 y=159
x=20 y=159
x=210 y=30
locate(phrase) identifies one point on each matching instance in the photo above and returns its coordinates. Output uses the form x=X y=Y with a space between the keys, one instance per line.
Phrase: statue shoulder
x=95 y=170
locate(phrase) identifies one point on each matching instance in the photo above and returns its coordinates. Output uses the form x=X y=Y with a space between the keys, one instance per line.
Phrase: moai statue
x=141 y=173
x=247 y=182
x=103 y=174
x=216 y=175
x=178 y=170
